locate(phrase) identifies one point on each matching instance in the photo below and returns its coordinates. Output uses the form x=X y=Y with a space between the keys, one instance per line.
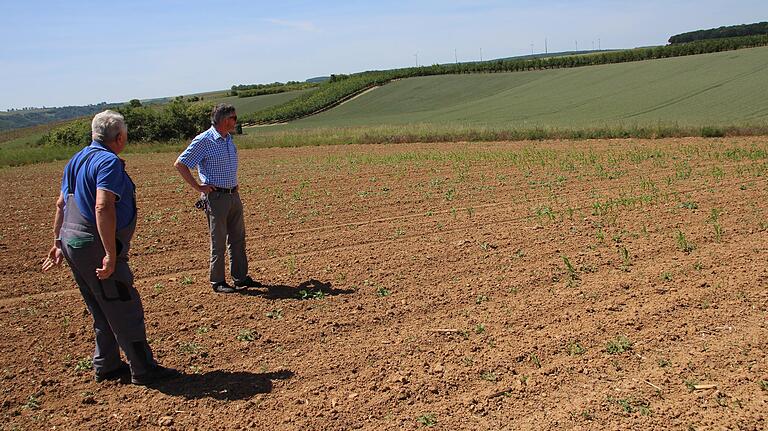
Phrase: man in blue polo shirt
x=93 y=227
x=214 y=155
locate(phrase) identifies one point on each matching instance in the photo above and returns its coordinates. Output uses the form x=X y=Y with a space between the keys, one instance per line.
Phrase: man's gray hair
x=220 y=112
x=106 y=126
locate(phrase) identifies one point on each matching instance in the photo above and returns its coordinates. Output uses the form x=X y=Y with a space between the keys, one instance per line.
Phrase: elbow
x=104 y=208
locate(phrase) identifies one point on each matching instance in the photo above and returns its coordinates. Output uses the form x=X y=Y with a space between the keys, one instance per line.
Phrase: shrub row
x=251 y=90
x=178 y=119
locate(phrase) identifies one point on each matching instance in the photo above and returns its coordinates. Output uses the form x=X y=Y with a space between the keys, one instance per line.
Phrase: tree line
x=342 y=87
x=721 y=32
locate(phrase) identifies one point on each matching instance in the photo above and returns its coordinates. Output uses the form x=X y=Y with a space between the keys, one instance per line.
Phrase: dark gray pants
x=227 y=228
x=114 y=303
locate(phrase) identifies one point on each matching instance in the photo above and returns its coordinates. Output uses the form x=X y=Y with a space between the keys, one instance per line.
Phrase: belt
x=230 y=191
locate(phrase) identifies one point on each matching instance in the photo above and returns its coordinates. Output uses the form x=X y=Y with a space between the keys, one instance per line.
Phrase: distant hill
x=20 y=118
x=721 y=32
x=318 y=79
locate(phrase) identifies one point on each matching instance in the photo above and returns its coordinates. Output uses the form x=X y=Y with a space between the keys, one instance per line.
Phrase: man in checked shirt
x=214 y=155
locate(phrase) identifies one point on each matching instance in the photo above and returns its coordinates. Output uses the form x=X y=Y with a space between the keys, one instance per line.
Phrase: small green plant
x=600 y=235
x=575 y=348
x=275 y=314
x=718 y=173
x=535 y=359
x=698 y=266
x=663 y=362
x=587 y=415
x=573 y=276
x=545 y=211
x=189 y=348
x=158 y=287
x=187 y=280
x=450 y=194
x=618 y=345
x=689 y=205
x=32 y=403
x=481 y=298
x=310 y=294
x=246 y=335
x=714 y=220
x=763 y=385
x=382 y=291
x=683 y=244
x=691 y=384
x=203 y=329
x=666 y=276
x=290 y=264
x=84 y=364
x=489 y=376
x=625 y=257
x=479 y=328
x=629 y=405
x=427 y=419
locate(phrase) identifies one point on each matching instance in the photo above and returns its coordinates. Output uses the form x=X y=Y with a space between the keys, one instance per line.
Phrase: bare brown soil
x=421 y=286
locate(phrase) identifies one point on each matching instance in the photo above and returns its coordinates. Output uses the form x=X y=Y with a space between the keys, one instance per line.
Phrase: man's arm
x=54 y=254
x=189 y=179
x=106 y=224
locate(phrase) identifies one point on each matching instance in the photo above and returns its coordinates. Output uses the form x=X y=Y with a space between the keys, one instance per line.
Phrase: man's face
x=121 y=141
x=230 y=122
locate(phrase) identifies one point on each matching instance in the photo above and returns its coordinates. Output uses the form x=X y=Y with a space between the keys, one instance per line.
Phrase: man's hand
x=54 y=258
x=107 y=267
x=205 y=188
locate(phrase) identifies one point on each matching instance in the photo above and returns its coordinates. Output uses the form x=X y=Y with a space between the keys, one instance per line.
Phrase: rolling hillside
x=712 y=89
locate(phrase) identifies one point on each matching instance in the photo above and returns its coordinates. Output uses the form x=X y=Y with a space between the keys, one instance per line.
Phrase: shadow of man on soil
x=307 y=290
x=222 y=385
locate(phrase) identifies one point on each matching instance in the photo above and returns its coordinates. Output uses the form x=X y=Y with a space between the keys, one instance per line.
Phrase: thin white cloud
x=298 y=25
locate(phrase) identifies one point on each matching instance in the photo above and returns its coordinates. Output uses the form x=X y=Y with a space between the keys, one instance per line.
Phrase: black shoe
x=158 y=373
x=122 y=371
x=247 y=282
x=223 y=287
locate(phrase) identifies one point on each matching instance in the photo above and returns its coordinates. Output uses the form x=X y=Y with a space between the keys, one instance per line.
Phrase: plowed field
x=531 y=285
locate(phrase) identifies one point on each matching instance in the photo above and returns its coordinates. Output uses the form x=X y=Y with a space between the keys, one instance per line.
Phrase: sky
x=77 y=52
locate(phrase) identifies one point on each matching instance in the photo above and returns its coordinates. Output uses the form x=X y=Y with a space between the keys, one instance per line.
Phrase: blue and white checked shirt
x=215 y=158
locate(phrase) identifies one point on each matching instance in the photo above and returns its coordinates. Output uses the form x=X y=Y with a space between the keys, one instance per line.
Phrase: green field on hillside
x=246 y=105
x=726 y=88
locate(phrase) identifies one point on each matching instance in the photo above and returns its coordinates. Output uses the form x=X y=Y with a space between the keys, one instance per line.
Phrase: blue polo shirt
x=96 y=167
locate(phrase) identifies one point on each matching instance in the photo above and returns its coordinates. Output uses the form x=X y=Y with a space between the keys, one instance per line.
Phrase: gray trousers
x=114 y=303
x=227 y=228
